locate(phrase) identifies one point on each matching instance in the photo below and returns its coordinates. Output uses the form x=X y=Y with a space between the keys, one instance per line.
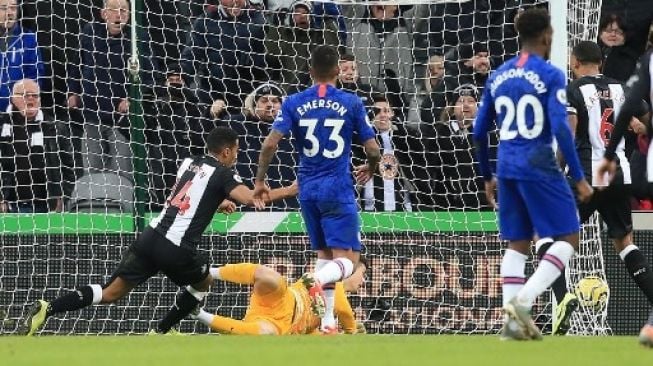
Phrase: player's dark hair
x=532 y=23
x=587 y=52
x=324 y=59
x=220 y=138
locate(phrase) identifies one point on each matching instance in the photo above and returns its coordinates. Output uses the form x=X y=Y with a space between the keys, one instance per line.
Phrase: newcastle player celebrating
x=593 y=100
x=639 y=87
x=169 y=244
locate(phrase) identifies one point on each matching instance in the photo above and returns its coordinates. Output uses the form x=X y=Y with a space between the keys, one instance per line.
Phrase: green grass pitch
x=320 y=350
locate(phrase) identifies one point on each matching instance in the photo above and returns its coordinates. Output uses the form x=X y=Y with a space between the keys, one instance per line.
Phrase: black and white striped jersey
x=202 y=184
x=595 y=100
x=639 y=89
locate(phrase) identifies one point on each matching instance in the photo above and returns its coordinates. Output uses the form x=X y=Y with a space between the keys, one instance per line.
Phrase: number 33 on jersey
x=323 y=121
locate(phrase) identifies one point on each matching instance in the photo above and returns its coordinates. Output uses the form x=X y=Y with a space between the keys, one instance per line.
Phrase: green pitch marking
x=355 y=350
x=272 y=222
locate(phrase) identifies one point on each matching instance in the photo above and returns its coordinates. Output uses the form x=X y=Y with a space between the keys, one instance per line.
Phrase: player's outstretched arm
x=261 y=191
x=638 y=86
x=363 y=128
x=227 y=207
x=373 y=153
x=557 y=114
x=246 y=196
x=575 y=102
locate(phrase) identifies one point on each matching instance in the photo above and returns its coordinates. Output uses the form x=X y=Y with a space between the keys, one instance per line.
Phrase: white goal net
x=76 y=190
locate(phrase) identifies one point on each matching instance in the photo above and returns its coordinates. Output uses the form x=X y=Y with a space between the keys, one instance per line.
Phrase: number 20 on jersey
x=516 y=113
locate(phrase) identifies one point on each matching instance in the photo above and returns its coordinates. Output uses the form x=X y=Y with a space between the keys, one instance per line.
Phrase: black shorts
x=152 y=252
x=613 y=204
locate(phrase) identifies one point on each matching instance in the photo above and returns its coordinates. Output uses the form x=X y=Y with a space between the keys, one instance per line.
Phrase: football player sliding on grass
x=276 y=308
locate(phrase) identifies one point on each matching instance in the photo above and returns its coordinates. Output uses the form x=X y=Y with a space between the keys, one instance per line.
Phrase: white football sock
x=215 y=273
x=329 y=319
x=334 y=271
x=205 y=318
x=97 y=293
x=551 y=266
x=512 y=274
x=320 y=263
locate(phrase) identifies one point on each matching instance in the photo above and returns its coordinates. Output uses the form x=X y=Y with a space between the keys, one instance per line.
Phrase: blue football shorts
x=332 y=224
x=546 y=207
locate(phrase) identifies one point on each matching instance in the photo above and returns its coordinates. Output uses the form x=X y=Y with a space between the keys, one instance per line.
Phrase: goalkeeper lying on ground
x=277 y=308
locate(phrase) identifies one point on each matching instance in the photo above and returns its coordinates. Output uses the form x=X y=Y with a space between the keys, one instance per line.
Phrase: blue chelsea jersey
x=527 y=98
x=324 y=121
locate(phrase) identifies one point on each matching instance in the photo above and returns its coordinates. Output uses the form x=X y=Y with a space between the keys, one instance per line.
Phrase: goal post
x=574 y=21
x=433 y=270
x=559 y=23
x=136 y=120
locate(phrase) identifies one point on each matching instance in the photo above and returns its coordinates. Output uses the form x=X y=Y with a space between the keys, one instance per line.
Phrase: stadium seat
x=102 y=192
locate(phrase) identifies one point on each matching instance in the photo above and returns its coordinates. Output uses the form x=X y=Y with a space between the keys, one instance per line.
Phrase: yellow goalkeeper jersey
x=289 y=309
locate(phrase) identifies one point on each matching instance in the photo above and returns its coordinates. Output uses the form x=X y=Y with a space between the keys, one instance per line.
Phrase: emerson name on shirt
x=321 y=103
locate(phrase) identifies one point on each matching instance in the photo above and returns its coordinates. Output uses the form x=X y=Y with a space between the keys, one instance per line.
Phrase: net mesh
x=116 y=142
x=588 y=261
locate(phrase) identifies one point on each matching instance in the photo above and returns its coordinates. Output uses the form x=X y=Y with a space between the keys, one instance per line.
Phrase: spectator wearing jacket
x=325 y=11
x=619 y=55
x=224 y=55
x=288 y=46
x=99 y=83
x=461 y=186
x=99 y=86
x=177 y=127
x=430 y=99
x=383 y=48
x=20 y=57
x=388 y=190
x=36 y=155
x=253 y=125
x=349 y=80
x=468 y=64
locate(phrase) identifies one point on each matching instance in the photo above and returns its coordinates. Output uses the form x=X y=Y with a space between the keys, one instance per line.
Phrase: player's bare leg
x=189 y=298
x=78 y=299
x=116 y=290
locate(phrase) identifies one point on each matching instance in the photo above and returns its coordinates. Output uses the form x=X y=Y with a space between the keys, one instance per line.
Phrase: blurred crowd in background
x=66 y=91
